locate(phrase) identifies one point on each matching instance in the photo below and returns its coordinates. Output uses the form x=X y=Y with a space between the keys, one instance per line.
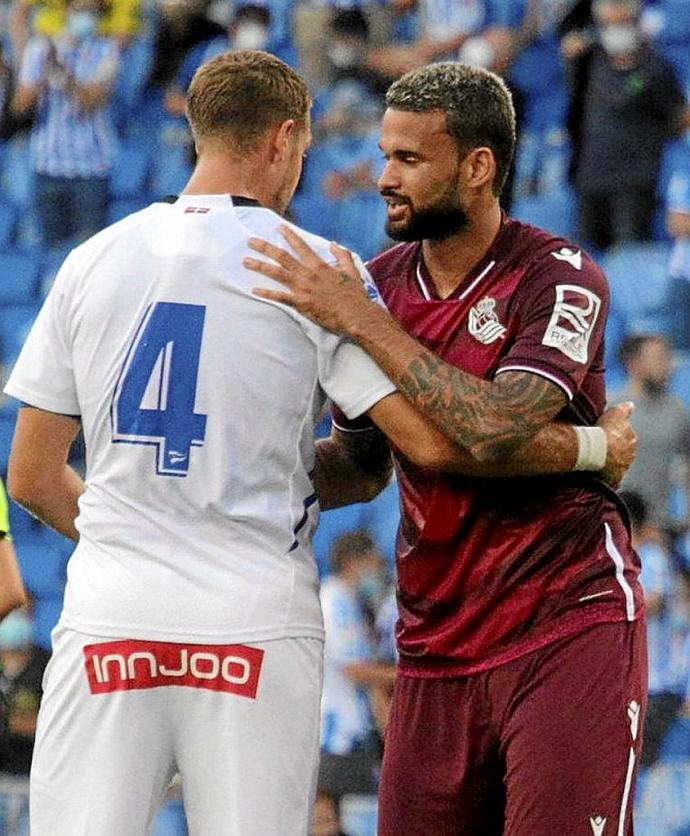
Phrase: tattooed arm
x=490 y=419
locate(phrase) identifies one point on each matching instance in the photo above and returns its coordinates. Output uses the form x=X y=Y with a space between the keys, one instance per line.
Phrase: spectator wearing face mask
x=69 y=79
x=121 y=19
x=661 y=421
x=627 y=104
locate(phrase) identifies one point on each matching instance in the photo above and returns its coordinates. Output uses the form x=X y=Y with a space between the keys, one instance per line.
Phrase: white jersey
x=198 y=403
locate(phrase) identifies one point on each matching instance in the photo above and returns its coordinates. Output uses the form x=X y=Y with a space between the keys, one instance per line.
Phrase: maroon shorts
x=547 y=745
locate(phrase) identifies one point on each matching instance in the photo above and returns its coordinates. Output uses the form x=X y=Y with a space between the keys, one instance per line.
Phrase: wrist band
x=592 y=448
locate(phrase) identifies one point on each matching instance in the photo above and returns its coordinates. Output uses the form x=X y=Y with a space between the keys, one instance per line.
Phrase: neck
x=450 y=260
x=222 y=174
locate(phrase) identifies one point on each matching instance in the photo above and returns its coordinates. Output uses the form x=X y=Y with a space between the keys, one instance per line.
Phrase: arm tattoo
x=490 y=417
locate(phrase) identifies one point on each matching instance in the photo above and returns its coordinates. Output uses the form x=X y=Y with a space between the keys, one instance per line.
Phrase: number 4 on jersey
x=154 y=397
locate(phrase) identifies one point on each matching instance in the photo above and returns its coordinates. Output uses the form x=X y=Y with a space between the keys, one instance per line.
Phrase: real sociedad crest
x=483 y=322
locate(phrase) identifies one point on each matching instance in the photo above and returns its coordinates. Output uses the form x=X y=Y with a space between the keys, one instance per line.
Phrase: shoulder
x=551 y=260
x=389 y=264
x=266 y=223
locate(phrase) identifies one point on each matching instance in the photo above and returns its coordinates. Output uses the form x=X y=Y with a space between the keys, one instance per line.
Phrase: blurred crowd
x=92 y=128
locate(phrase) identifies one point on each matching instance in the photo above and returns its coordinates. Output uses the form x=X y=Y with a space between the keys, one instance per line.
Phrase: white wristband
x=592 y=448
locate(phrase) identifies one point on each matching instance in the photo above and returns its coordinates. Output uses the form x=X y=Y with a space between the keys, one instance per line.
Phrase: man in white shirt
x=193 y=567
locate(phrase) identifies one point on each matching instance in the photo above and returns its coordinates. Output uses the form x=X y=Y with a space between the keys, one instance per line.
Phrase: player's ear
x=281 y=140
x=480 y=165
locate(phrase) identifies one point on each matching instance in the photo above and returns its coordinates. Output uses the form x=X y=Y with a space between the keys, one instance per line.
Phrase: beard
x=441 y=220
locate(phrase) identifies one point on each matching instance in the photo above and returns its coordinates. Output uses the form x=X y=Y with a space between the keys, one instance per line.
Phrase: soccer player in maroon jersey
x=521 y=693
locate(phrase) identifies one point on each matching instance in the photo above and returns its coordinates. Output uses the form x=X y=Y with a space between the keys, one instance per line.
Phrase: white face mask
x=342 y=55
x=619 y=39
x=250 y=36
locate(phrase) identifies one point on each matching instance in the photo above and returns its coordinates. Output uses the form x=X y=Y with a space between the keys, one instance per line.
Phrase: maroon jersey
x=490 y=569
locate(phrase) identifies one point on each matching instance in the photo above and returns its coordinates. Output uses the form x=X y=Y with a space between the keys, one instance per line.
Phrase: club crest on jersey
x=483 y=322
x=572 y=322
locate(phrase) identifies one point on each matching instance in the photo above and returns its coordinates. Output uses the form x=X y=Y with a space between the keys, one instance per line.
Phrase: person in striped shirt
x=69 y=79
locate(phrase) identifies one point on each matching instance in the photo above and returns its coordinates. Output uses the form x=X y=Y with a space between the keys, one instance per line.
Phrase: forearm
x=490 y=419
x=371 y=673
x=351 y=468
x=12 y=592
x=554 y=449
x=53 y=501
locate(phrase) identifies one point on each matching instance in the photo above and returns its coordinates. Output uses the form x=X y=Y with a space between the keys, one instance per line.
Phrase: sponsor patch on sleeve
x=572 y=322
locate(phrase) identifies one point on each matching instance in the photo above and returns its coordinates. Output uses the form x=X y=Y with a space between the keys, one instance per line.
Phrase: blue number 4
x=154 y=396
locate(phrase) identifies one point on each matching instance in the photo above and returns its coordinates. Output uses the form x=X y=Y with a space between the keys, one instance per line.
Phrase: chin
x=400 y=232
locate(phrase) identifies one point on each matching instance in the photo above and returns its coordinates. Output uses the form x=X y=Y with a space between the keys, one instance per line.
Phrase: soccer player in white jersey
x=191 y=636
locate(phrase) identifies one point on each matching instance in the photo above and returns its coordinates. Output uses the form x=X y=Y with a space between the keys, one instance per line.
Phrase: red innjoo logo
x=132 y=665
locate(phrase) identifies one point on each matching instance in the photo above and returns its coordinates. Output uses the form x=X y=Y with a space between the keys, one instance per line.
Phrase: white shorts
x=119 y=718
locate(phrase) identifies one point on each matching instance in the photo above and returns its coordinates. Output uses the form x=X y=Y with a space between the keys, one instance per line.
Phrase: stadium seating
x=556 y=211
x=19 y=272
x=638 y=275
x=16 y=179
x=15 y=323
x=119 y=209
x=663 y=808
x=680 y=383
x=131 y=170
x=8 y=223
x=359 y=814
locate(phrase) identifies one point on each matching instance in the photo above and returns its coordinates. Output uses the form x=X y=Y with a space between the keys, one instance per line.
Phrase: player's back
x=198 y=403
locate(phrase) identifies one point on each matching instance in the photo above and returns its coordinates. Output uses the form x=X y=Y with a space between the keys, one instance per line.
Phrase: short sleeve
x=43 y=375
x=561 y=308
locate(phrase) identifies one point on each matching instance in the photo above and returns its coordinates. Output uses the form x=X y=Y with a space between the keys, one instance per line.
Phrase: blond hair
x=240 y=95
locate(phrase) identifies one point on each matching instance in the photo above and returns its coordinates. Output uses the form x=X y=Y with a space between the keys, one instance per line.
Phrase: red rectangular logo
x=133 y=665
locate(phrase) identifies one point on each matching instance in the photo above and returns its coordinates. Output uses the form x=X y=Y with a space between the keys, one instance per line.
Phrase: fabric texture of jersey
x=198 y=403
x=489 y=570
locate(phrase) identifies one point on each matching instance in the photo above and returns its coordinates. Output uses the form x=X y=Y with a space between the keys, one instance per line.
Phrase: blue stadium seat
x=8 y=223
x=172 y=166
x=19 y=272
x=16 y=177
x=135 y=64
x=52 y=261
x=680 y=382
x=662 y=807
x=131 y=170
x=6 y=436
x=556 y=212
x=359 y=814
x=638 y=275
x=15 y=323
